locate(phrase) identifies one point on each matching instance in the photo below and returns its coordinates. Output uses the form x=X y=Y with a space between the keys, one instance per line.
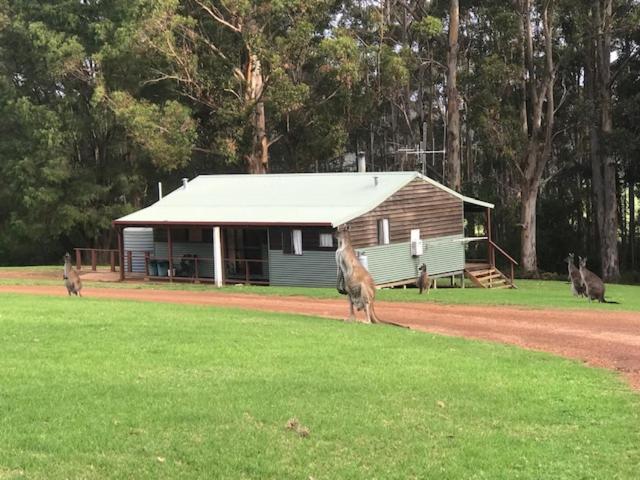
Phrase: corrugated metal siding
x=204 y=251
x=394 y=263
x=311 y=269
x=387 y=263
x=138 y=240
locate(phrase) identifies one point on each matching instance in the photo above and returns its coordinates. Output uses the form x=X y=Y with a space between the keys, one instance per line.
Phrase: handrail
x=494 y=245
x=492 y=258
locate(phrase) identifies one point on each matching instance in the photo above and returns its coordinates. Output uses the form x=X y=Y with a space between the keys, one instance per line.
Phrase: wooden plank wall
x=418 y=205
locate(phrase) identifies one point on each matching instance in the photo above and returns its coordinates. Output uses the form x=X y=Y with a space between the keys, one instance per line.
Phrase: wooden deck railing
x=97 y=257
x=493 y=247
x=246 y=263
x=188 y=268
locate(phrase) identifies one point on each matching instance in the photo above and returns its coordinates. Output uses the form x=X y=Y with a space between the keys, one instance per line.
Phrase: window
x=326 y=240
x=296 y=241
x=383 y=231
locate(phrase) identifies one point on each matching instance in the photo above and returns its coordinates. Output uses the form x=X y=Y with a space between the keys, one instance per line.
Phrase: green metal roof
x=289 y=199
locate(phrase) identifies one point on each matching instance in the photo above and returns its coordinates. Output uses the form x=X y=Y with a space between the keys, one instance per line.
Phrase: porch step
x=485 y=276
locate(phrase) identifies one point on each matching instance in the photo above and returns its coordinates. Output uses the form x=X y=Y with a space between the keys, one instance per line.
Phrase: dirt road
x=610 y=339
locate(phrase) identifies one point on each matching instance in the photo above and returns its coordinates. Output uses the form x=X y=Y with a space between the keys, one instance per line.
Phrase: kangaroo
x=593 y=284
x=353 y=278
x=577 y=286
x=423 y=282
x=71 y=278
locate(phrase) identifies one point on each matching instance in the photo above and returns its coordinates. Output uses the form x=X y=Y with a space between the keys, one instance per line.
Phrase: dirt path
x=610 y=340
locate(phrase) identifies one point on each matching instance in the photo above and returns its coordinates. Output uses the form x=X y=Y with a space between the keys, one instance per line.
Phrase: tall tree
x=603 y=164
x=230 y=59
x=454 y=175
x=537 y=123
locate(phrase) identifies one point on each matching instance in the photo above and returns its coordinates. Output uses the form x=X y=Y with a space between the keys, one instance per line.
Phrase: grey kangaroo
x=71 y=278
x=424 y=282
x=593 y=284
x=577 y=286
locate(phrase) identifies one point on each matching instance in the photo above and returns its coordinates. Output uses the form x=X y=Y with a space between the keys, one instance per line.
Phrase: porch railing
x=491 y=249
x=97 y=258
x=248 y=270
x=184 y=267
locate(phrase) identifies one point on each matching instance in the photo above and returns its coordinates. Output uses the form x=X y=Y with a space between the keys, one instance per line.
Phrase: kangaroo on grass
x=71 y=278
x=423 y=282
x=593 y=284
x=354 y=279
x=577 y=285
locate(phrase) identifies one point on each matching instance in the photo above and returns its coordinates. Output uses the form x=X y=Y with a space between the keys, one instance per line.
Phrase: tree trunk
x=632 y=224
x=258 y=156
x=609 y=230
x=528 y=235
x=453 y=179
x=594 y=142
x=539 y=142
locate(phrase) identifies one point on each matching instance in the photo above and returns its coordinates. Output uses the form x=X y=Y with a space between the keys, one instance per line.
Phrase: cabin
x=278 y=229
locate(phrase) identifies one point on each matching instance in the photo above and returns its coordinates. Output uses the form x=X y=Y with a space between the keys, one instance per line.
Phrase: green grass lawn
x=530 y=293
x=110 y=389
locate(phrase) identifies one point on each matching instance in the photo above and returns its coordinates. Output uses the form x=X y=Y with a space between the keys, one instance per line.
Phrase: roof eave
x=169 y=223
x=477 y=202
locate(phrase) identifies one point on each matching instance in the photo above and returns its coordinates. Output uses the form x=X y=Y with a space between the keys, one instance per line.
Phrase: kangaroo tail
x=604 y=300
x=376 y=319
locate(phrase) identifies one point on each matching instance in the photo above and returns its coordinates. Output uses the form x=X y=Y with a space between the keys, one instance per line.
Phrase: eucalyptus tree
x=454 y=174
x=231 y=61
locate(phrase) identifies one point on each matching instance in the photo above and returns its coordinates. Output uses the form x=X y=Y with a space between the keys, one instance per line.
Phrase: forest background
x=536 y=103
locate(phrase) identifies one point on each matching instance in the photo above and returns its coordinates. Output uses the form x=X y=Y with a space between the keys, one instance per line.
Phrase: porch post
x=170 y=241
x=217 y=257
x=121 y=251
x=492 y=260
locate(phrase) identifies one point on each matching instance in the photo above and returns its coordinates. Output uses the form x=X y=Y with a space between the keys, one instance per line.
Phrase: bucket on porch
x=163 y=268
x=153 y=268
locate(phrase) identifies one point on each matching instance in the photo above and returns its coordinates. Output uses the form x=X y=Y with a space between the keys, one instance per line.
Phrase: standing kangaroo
x=593 y=284
x=424 y=282
x=577 y=285
x=71 y=278
x=353 y=278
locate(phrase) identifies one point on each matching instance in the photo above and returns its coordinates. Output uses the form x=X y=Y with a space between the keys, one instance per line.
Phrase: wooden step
x=485 y=276
x=480 y=273
x=490 y=276
x=495 y=283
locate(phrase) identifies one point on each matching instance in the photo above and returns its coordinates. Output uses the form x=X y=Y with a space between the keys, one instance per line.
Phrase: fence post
x=146 y=264
x=78 y=259
x=129 y=261
x=246 y=271
x=196 y=267
x=94 y=261
x=112 y=260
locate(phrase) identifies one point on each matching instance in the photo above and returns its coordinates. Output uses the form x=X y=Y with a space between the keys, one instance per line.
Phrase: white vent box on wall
x=416 y=244
x=416 y=248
